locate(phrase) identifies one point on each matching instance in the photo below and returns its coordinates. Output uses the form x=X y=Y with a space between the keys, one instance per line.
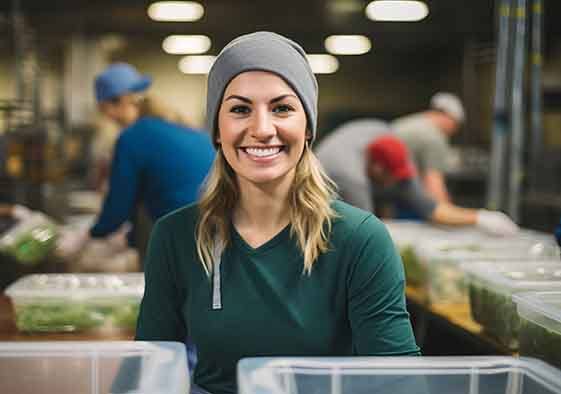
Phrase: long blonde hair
x=150 y=105
x=311 y=214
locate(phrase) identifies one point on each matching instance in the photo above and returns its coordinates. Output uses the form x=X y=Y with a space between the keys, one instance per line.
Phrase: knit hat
x=119 y=79
x=392 y=154
x=262 y=51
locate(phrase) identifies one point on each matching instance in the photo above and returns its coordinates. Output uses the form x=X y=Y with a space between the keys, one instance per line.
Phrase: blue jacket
x=155 y=162
x=558 y=233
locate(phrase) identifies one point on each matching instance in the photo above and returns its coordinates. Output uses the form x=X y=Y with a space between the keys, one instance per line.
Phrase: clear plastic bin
x=76 y=302
x=407 y=235
x=397 y=375
x=441 y=261
x=491 y=286
x=31 y=240
x=540 y=328
x=93 y=368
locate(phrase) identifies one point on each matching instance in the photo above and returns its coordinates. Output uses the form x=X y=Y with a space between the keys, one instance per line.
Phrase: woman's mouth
x=262 y=152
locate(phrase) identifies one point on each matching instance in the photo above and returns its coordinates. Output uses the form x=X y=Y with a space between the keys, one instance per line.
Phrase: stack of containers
x=76 y=302
x=93 y=367
x=406 y=236
x=492 y=285
x=540 y=328
x=397 y=375
x=441 y=261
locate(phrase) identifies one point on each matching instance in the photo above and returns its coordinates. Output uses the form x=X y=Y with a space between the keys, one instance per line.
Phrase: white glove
x=20 y=212
x=496 y=223
x=72 y=242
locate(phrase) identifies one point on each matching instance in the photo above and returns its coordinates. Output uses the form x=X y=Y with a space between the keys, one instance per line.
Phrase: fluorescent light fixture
x=323 y=64
x=397 y=10
x=347 y=45
x=176 y=11
x=199 y=64
x=186 y=44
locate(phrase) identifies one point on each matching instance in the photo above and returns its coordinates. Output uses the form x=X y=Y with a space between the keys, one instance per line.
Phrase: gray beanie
x=262 y=51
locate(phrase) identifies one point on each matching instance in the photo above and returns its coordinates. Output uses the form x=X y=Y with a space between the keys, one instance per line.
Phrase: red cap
x=392 y=154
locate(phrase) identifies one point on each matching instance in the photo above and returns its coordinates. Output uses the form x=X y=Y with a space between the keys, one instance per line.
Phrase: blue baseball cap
x=119 y=79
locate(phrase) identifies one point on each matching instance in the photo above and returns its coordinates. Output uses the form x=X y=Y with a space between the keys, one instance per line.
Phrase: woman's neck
x=263 y=207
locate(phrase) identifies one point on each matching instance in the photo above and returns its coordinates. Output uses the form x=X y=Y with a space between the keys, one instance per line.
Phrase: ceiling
x=450 y=22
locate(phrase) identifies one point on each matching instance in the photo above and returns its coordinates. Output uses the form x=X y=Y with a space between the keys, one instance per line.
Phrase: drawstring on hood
x=216 y=280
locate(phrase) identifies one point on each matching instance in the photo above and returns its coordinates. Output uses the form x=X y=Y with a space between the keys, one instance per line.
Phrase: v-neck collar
x=238 y=240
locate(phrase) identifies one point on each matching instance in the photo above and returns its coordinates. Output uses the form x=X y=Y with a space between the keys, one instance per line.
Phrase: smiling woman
x=269 y=262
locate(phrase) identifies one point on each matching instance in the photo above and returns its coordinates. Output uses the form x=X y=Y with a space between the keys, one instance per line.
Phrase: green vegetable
x=446 y=282
x=57 y=317
x=415 y=272
x=537 y=341
x=496 y=313
x=124 y=316
x=32 y=246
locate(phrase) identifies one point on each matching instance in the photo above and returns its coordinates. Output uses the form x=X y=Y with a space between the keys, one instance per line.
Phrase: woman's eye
x=283 y=108
x=240 y=109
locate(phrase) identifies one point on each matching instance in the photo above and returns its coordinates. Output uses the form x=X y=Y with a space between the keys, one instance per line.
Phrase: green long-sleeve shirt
x=353 y=302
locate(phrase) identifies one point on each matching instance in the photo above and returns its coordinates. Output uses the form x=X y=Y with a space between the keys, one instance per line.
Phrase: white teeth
x=263 y=152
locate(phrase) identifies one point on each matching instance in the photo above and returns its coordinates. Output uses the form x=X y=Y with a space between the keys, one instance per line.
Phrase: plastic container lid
x=77 y=286
x=397 y=375
x=517 y=276
x=542 y=308
x=93 y=367
x=468 y=249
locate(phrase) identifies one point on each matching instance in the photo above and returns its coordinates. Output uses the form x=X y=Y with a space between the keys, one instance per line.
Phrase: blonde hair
x=151 y=105
x=310 y=210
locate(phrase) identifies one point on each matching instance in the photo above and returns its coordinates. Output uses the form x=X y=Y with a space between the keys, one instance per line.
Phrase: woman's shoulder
x=356 y=222
x=181 y=219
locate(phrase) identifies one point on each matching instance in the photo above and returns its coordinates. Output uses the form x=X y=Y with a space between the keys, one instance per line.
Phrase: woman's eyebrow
x=282 y=97
x=241 y=98
x=247 y=100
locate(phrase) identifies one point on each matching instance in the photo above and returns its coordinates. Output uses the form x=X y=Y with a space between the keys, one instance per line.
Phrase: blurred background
x=502 y=58
x=51 y=133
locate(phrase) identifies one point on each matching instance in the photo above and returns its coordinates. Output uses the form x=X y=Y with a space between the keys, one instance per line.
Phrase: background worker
x=384 y=172
x=156 y=162
x=426 y=135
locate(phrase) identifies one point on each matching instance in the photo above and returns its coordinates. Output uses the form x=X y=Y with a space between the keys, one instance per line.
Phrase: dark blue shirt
x=158 y=163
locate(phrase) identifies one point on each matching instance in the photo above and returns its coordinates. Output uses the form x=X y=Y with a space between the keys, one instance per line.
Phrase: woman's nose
x=262 y=126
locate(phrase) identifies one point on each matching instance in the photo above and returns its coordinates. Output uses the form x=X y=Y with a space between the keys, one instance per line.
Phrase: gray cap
x=262 y=51
x=450 y=104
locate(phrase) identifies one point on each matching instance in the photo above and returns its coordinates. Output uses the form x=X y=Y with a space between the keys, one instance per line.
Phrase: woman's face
x=262 y=127
x=123 y=109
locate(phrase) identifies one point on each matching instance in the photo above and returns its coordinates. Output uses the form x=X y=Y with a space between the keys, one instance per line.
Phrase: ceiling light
x=196 y=64
x=176 y=11
x=397 y=10
x=186 y=44
x=347 y=45
x=323 y=64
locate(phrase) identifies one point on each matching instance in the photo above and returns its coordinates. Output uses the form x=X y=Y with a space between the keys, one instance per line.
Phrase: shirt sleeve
x=434 y=154
x=160 y=316
x=120 y=200
x=411 y=194
x=376 y=294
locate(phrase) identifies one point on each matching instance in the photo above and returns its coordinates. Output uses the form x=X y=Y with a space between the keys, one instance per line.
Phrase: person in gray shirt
x=426 y=136
x=368 y=163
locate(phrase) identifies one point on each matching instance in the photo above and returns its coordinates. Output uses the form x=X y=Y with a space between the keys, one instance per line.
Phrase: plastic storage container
x=93 y=368
x=398 y=375
x=76 y=302
x=491 y=286
x=406 y=236
x=441 y=261
x=540 y=328
x=31 y=240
